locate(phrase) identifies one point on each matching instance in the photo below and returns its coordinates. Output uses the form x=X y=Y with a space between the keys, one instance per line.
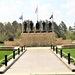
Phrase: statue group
x=39 y=27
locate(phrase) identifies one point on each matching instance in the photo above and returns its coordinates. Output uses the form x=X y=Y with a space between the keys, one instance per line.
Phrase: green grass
x=65 y=54
x=2 y=54
x=1 y=44
x=72 y=52
x=9 y=54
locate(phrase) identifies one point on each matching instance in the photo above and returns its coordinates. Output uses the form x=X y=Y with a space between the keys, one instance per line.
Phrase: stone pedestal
x=37 y=39
x=33 y=39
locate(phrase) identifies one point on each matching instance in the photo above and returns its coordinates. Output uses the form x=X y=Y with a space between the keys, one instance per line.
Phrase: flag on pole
x=51 y=16
x=36 y=11
x=21 y=17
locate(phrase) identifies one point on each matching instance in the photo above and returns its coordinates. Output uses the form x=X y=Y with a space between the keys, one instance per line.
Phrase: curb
x=4 y=68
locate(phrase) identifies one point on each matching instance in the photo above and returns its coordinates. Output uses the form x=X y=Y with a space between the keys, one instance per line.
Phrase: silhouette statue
x=25 y=26
x=37 y=26
x=31 y=26
x=43 y=26
x=50 y=26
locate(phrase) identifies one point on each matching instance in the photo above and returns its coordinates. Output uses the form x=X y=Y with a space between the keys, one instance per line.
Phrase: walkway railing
x=12 y=56
x=63 y=54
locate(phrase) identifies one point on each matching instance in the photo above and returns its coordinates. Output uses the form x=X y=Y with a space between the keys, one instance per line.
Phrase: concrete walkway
x=38 y=60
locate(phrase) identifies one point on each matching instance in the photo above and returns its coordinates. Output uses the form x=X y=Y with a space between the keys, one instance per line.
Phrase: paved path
x=38 y=61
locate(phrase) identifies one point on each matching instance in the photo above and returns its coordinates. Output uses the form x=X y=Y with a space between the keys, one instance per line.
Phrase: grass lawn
x=1 y=44
x=72 y=52
x=2 y=54
x=65 y=54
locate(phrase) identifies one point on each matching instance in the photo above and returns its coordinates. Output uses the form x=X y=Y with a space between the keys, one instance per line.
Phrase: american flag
x=36 y=11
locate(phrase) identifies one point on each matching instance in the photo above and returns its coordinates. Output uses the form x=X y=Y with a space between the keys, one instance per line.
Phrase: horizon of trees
x=10 y=31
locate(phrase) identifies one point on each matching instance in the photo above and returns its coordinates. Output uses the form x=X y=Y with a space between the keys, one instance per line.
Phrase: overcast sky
x=63 y=10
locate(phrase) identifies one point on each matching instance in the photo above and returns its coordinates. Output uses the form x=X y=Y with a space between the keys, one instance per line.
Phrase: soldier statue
x=37 y=27
x=43 y=26
x=31 y=26
x=25 y=27
x=50 y=27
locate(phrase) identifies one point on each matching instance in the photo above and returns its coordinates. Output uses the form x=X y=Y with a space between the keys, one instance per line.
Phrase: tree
x=70 y=28
x=15 y=25
x=16 y=29
x=62 y=27
x=56 y=29
x=2 y=29
x=70 y=35
x=3 y=35
x=17 y=33
x=9 y=30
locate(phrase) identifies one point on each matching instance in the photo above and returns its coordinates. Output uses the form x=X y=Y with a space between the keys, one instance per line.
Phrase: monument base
x=33 y=39
x=37 y=39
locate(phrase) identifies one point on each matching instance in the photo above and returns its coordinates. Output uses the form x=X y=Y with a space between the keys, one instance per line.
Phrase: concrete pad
x=38 y=60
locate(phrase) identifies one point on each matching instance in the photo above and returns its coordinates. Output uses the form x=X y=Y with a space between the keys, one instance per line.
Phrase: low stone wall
x=68 y=46
x=6 y=47
x=37 y=39
x=9 y=43
x=66 y=41
x=33 y=39
x=60 y=41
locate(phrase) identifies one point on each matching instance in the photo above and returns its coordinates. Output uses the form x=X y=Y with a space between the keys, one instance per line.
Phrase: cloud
x=9 y=10
x=58 y=16
x=45 y=11
x=70 y=7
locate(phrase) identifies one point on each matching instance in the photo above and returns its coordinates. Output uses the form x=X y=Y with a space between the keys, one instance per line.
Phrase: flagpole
x=21 y=18
x=37 y=13
x=52 y=23
x=22 y=23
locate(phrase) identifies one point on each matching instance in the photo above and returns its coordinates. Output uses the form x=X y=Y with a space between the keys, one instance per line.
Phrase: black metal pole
x=24 y=47
x=51 y=46
x=56 y=50
x=5 y=60
x=61 y=53
x=68 y=58
x=18 y=51
x=13 y=54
